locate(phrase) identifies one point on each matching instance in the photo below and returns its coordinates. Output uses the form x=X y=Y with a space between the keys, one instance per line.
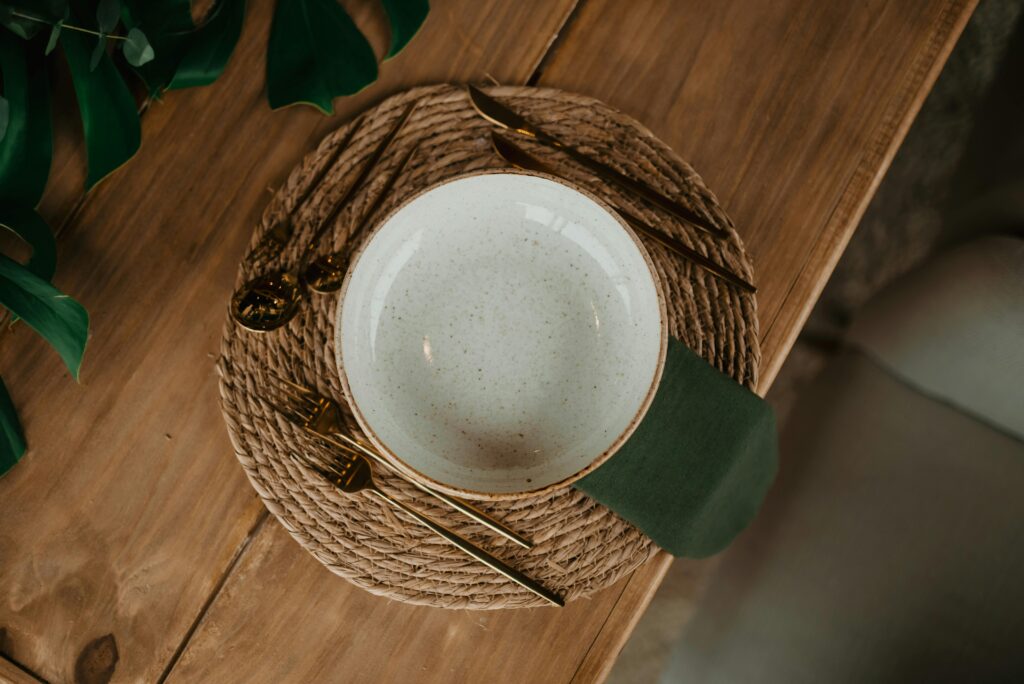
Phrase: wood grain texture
x=129 y=507
x=66 y=184
x=12 y=674
x=791 y=110
x=283 y=617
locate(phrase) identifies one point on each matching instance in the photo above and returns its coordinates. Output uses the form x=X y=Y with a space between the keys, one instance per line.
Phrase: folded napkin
x=694 y=473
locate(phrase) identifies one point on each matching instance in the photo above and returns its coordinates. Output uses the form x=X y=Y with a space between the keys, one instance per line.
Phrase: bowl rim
x=393 y=459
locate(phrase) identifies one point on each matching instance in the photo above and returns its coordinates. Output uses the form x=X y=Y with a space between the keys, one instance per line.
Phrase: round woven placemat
x=581 y=546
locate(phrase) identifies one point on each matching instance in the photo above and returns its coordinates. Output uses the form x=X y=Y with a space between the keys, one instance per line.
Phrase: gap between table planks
x=12 y=674
x=795 y=110
x=129 y=508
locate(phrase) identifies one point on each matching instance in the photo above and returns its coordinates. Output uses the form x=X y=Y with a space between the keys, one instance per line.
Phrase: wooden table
x=131 y=544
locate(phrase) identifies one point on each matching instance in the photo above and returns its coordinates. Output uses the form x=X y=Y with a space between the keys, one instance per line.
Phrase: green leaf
x=406 y=17
x=58 y=318
x=98 y=52
x=109 y=116
x=34 y=16
x=30 y=227
x=12 y=439
x=137 y=49
x=27 y=146
x=168 y=27
x=108 y=13
x=51 y=42
x=315 y=54
x=210 y=46
x=21 y=27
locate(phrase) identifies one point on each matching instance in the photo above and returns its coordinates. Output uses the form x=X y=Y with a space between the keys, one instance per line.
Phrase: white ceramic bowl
x=500 y=334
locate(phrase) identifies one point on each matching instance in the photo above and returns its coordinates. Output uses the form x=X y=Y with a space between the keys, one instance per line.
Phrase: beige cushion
x=954 y=329
x=890 y=550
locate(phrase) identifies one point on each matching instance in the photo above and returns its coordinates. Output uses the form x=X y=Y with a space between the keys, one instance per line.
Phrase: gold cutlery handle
x=458 y=504
x=518 y=157
x=471 y=511
x=474 y=551
x=500 y=114
x=629 y=184
x=683 y=250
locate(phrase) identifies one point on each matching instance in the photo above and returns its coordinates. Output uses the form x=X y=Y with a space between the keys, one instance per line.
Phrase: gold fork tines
x=322 y=417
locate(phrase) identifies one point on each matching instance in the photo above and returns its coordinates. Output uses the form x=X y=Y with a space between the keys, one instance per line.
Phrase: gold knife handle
x=683 y=250
x=473 y=512
x=497 y=113
x=632 y=185
x=466 y=509
x=474 y=551
x=518 y=157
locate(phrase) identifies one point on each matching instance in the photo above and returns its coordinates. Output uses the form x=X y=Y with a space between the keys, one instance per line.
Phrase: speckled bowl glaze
x=500 y=335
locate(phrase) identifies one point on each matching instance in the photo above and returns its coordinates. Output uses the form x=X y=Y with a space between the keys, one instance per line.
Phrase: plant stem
x=70 y=27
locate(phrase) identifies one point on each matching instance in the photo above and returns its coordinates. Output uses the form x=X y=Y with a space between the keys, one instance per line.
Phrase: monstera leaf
x=58 y=318
x=47 y=310
x=26 y=146
x=406 y=17
x=208 y=52
x=316 y=53
x=110 y=119
x=184 y=55
x=12 y=439
x=30 y=227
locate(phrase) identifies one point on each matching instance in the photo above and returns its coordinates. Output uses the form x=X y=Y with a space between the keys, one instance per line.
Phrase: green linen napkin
x=694 y=473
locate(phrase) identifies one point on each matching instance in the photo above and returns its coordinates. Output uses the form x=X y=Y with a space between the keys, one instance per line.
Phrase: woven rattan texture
x=581 y=546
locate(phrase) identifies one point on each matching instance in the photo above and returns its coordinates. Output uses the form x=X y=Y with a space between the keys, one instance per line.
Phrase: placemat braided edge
x=581 y=546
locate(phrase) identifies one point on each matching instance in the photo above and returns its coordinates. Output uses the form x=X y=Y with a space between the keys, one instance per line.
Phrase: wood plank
x=792 y=112
x=12 y=674
x=129 y=506
x=283 y=617
x=782 y=106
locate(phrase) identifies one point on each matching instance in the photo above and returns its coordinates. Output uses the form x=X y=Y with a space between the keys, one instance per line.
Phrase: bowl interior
x=499 y=333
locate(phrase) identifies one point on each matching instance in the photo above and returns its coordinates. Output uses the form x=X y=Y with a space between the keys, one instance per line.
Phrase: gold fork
x=322 y=417
x=353 y=474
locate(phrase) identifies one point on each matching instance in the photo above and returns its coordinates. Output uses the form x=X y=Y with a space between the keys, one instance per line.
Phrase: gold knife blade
x=517 y=156
x=498 y=114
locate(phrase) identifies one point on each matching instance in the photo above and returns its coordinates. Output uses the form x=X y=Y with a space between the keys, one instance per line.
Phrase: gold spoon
x=269 y=301
x=326 y=273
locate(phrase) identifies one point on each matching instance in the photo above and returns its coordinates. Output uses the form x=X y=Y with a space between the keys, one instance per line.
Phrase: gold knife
x=517 y=156
x=497 y=113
